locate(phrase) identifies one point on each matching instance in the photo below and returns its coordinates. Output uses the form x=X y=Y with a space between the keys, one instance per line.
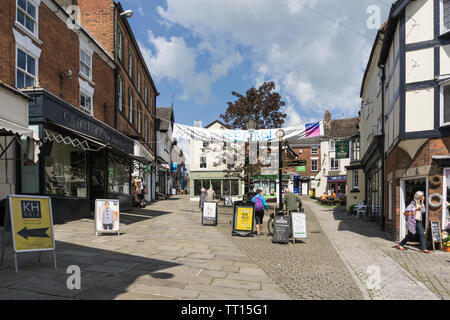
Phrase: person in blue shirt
x=260 y=206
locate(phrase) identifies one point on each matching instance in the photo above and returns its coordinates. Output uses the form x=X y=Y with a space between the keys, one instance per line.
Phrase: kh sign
x=31 y=223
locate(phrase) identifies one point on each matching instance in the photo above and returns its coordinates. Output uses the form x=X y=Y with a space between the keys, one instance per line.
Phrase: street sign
x=31 y=225
x=243 y=218
x=294 y=163
x=209 y=215
x=342 y=149
x=301 y=169
x=298 y=225
x=107 y=216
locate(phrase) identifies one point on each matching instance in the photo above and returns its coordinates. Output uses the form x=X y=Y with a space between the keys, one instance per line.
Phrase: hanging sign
x=209 y=215
x=298 y=225
x=243 y=218
x=107 y=216
x=342 y=150
x=31 y=225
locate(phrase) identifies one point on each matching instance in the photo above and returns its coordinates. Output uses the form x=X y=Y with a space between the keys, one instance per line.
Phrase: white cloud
x=316 y=50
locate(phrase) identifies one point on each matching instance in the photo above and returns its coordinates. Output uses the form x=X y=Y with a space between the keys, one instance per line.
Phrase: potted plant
x=445 y=241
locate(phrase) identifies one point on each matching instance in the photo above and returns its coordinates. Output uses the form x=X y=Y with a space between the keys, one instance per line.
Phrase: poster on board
x=243 y=218
x=107 y=216
x=209 y=215
x=298 y=225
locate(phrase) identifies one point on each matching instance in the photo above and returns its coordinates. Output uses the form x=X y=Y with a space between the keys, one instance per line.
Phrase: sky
x=199 y=51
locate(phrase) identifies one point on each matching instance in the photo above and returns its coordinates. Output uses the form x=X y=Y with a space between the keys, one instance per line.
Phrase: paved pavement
x=163 y=253
x=367 y=254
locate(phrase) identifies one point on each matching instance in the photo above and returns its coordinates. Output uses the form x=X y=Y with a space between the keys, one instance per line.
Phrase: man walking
x=107 y=217
x=291 y=201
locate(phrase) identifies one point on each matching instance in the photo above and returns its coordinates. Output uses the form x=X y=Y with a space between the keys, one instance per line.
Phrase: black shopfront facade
x=81 y=160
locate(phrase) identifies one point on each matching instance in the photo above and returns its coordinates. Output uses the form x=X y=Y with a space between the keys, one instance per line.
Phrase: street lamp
x=251 y=126
x=280 y=135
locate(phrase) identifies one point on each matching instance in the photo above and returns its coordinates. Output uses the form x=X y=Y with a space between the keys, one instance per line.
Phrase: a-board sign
x=298 y=225
x=281 y=229
x=243 y=218
x=107 y=216
x=435 y=233
x=228 y=201
x=209 y=215
x=31 y=223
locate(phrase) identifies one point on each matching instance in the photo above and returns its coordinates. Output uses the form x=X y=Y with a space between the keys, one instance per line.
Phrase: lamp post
x=280 y=135
x=251 y=126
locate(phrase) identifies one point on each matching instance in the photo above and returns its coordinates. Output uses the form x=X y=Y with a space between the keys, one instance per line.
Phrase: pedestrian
x=202 y=199
x=210 y=194
x=251 y=194
x=260 y=206
x=414 y=215
x=292 y=201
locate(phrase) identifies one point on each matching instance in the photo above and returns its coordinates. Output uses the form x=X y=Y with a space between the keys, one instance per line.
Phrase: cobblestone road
x=309 y=270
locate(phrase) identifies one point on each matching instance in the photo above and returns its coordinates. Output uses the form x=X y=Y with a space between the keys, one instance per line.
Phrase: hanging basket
x=436 y=180
x=435 y=197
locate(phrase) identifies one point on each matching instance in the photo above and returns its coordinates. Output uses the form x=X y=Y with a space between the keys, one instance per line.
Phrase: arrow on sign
x=36 y=233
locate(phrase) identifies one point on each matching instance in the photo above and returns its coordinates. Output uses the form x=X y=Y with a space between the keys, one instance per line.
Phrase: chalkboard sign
x=281 y=229
x=209 y=215
x=435 y=233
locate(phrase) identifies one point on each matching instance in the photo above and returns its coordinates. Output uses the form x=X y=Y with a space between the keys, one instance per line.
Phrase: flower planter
x=447 y=249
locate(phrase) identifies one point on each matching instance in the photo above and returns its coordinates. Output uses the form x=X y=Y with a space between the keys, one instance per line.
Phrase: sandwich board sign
x=298 y=225
x=243 y=219
x=107 y=216
x=31 y=221
x=209 y=215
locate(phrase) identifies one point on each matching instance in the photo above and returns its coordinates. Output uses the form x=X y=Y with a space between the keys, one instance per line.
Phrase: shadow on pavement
x=105 y=274
x=138 y=215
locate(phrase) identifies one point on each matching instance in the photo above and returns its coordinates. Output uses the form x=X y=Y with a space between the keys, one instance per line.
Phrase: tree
x=262 y=105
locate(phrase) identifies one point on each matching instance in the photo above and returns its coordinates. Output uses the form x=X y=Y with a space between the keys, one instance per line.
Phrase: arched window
x=120 y=93
x=130 y=105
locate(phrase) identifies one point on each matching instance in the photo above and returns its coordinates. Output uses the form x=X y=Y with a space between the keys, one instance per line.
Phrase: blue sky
x=201 y=50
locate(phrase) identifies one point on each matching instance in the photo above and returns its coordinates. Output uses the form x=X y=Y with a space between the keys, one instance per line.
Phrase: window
x=139 y=77
x=26 y=70
x=146 y=94
x=65 y=170
x=120 y=93
x=120 y=44
x=355 y=179
x=334 y=164
x=332 y=146
x=130 y=63
x=445 y=15
x=27 y=15
x=205 y=144
x=130 y=105
x=146 y=129
x=139 y=118
x=118 y=175
x=86 y=101
x=445 y=102
x=314 y=164
x=314 y=150
x=203 y=162
x=85 y=64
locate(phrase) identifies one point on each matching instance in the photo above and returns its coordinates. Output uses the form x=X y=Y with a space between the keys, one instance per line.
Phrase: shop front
x=222 y=184
x=336 y=184
x=268 y=183
x=81 y=160
x=143 y=167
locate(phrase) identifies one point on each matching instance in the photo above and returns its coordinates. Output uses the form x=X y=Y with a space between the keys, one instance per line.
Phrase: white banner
x=290 y=133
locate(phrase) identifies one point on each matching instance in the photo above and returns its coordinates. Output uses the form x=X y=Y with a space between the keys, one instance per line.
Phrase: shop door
x=305 y=188
x=97 y=181
x=408 y=188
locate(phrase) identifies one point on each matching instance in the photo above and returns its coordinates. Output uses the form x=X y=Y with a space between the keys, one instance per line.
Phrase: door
x=305 y=188
x=408 y=187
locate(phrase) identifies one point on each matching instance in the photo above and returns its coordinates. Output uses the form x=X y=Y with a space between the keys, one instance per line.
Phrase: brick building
x=135 y=90
x=69 y=76
x=304 y=177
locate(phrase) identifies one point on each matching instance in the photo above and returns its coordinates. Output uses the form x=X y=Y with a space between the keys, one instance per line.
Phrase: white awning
x=11 y=127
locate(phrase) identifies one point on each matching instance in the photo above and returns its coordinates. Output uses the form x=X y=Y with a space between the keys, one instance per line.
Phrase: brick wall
x=306 y=155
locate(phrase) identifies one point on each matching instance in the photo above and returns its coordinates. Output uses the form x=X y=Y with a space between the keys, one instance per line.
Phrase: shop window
x=65 y=170
x=203 y=164
x=234 y=187
x=217 y=187
x=26 y=70
x=118 y=175
x=86 y=101
x=27 y=15
x=197 y=187
x=85 y=64
x=445 y=16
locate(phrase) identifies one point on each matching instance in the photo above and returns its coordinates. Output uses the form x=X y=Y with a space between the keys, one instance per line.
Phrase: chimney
x=327 y=116
x=198 y=124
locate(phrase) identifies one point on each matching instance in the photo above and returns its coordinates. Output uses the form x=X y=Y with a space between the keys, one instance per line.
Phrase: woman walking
x=414 y=213
x=260 y=206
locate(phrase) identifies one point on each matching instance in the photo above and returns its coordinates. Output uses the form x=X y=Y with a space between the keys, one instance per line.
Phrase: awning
x=10 y=128
x=76 y=142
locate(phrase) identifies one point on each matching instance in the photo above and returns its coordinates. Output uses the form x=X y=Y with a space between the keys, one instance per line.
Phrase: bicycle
x=282 y=212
